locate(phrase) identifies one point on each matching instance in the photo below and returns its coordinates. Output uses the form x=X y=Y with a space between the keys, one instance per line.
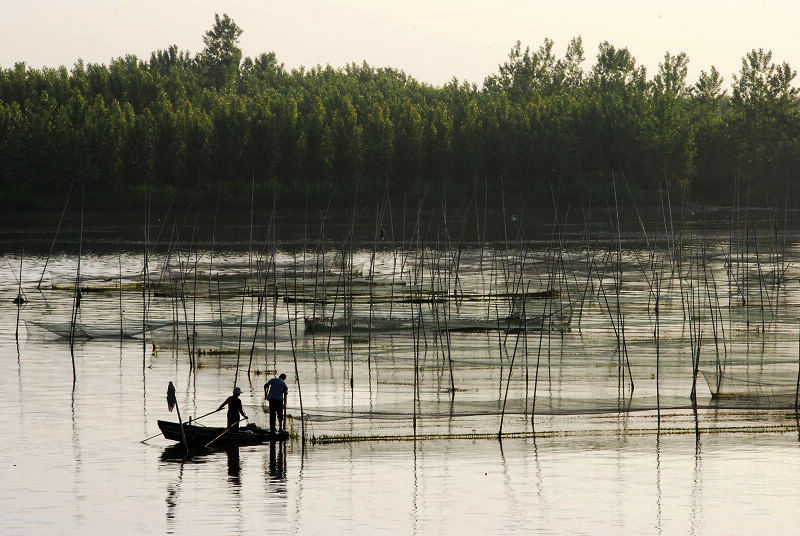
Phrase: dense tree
x=763 y=119
x=673 y=134
x=214 y=122
x=713 y=154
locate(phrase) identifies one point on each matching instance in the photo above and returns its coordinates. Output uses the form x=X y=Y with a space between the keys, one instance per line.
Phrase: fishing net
x=445 y=339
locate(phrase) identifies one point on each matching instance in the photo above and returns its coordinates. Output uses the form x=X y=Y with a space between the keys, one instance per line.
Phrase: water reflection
x=176 y=453
x=233 y=492
x=234 y=464
x=659 y=496
x=172 y=494
x=276 y=470
x=415 y=492
x=510 y=491
x=696 y=510
x=797 y=420
x=539 y=474
x=299 y=505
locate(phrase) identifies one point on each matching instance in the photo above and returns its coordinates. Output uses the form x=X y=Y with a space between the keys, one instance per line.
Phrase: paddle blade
x=171 y=400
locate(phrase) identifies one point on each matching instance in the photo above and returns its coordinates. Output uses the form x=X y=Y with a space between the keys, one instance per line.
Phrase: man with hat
x=234 y=408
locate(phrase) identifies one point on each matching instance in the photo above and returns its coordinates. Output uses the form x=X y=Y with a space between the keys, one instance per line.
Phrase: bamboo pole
x=76 y=302
x=60 y=221
x=19 y=299
x=538 y=359
x=657 y=282
x=296 y=375
x=145 y=277
x=511 y=368
x=241 y=322
x=121 y=327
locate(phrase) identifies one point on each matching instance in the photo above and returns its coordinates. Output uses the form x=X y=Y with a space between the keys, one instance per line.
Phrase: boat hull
x=198 y=436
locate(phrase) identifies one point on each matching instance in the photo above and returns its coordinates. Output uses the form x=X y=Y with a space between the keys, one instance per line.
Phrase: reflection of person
x=277 y=461
x=234 y=466
x=275 y=391
x=234 y=408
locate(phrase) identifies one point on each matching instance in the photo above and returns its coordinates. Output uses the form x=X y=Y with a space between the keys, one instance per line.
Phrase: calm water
x=73 y=463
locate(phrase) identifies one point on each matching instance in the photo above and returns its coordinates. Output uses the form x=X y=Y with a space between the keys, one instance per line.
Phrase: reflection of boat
x=218 y=436
x=176 y=453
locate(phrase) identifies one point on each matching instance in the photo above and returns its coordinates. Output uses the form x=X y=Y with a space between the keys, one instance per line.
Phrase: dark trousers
x=233 y=421
x=275 y=408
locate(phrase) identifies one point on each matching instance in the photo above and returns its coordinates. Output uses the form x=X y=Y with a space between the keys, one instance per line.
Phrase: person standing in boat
x=275 y=391
x=234 y=408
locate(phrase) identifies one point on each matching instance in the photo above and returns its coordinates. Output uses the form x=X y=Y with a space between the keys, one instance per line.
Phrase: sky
x=433 y=40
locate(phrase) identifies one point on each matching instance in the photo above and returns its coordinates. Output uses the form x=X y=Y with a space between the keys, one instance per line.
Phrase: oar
x=151 y=437
x=225 y=431
x=195 y=419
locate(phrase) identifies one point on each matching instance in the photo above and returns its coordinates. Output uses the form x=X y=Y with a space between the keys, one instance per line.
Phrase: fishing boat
x=362 y=324
x=218 y=436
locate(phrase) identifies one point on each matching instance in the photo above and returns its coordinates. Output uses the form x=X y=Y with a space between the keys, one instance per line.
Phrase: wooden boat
x=199 y=436
x=361 y=325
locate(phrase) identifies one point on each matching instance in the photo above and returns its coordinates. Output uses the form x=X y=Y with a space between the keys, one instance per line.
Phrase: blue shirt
x=276 y=389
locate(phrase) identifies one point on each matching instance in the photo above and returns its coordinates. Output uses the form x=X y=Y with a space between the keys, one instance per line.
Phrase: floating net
x=449 y=340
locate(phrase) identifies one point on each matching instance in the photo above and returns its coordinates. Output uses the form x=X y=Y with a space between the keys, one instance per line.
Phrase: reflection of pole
x=172 y=499
x=797 y=388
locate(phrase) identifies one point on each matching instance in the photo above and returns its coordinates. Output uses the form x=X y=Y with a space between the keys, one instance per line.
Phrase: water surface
x=601 y=461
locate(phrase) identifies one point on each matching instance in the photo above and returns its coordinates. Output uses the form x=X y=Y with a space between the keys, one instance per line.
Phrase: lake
x=409 y=354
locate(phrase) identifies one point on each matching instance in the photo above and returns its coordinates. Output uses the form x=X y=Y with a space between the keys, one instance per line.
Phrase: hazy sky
x=432 y=40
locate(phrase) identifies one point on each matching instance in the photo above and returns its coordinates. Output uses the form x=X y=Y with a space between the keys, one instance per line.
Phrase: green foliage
x=219 y=61
x=672 y=132
x=196 y=126
x=763 y=120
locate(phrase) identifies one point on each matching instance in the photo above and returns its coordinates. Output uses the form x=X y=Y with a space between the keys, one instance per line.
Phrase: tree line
x=217 y=125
